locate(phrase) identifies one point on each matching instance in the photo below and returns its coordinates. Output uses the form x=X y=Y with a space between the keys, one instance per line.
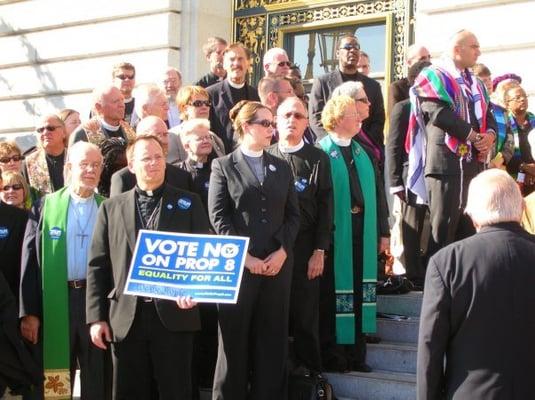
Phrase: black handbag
x=309 y=387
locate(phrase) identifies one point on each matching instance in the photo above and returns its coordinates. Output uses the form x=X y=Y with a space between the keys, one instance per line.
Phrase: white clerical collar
x=109 y=127
x=251 y=153
x=236 y=85
x=291 y=149
x=342 y=142
x=77 y=199
x=128 y=100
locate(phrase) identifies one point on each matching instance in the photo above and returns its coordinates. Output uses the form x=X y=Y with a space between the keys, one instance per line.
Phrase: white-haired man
x=108 y=108
x=150 y=100
x=276 y=63
x=53 y=279
x=477 y=323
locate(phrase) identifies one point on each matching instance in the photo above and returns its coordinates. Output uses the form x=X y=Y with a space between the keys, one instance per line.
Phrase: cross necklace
x=81 y=233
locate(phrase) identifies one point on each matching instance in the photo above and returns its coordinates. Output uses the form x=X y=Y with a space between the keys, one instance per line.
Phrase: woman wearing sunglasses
x=251 y=194
x=14 y=190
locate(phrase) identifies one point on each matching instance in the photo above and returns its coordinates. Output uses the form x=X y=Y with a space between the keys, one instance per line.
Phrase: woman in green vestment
x=360 y=234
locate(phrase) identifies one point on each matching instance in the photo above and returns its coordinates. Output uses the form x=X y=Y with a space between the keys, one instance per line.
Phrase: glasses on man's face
x=16 y=186
x=283 y=64
x=49 y=128
x=266 y=123
x=5 y=160
x=296 y=115
x=350 y=46
x=87 y=165
x=200 y=103
x=124 y=77
x=201 y=139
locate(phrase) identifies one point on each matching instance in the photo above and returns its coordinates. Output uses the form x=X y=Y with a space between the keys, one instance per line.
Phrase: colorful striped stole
x=516 y=130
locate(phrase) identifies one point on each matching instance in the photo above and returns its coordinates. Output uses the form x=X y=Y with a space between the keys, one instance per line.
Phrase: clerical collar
x=150 y=193
x=236 y=85
x=109 y=127
x=77 y=199
x=251 y=153
x=291 y=149
x=195 y=164
x=128 y=100
x=342 y=142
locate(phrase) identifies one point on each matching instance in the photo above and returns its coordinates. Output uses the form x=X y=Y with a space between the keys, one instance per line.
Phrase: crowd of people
x=305 y=177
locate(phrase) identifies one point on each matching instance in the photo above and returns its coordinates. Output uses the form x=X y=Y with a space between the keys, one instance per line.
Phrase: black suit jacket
x=113 y=243
x=439 y=119
x=478 y=312
x=239 y=205
x=398 y=91
x=124 y=180
x=12 y=226
x=396 y=156
x=321 y=91
x=222 y=103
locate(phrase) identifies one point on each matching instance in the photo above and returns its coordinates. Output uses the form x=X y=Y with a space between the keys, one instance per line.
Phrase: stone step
x=392 y=356
x=408 y=304
x=376 y=385
x=402 y=331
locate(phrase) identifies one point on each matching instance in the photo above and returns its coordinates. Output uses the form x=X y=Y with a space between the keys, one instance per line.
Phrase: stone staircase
x=393 y=360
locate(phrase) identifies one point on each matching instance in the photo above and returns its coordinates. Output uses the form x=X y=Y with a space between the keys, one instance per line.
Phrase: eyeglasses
x=349 y=47
x=86 y=165
x=48 y=128
x=16 y=186
x=200 y=103
x=283 y=63
x=296 y=115
x=5 y=160
x=124 y=77
x=363 y=100
x=516 y=98
x=266 y=123
x=201 y=139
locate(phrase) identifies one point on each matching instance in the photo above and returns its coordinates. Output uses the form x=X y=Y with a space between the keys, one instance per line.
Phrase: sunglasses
x=266 y=123
x=296 y=115
x=48 y=128
x=5 y=160
x=200 y=103
x=349 y=47
x=124 y=77
x=284 y=63
x=16 y=186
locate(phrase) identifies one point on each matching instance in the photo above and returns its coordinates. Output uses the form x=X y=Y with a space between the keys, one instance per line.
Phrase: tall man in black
x=151 y=338
x=312 y=174
x=477 y=323
x=225 y=94
x=348 y=57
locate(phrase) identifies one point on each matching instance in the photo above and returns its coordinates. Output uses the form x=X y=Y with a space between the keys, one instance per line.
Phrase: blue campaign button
x=184 y=203
x=4 y=232
x=300 y=184
x=55 y=233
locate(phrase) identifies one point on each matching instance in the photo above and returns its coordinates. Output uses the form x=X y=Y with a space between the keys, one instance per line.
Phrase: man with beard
x=213 y=50
x=225 y=94
x=348 y=54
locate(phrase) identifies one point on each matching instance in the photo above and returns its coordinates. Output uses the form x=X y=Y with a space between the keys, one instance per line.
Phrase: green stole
x=343 y=246
x=56 y=353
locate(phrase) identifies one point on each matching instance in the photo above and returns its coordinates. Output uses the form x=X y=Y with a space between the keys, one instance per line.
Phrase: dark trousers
x=94 y=363
x=253 y=339
x=205 y=349
x=412 y=225
x=151 y=351
x=355 y=354
x=447 y=200
x=304 y=306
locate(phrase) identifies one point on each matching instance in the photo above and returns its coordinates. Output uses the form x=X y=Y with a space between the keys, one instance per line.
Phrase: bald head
x=464 y=49
x=155 y=126
x=108 y=104
x=415 y=53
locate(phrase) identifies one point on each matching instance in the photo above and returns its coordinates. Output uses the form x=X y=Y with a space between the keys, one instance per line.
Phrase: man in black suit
x=125 y=179
x=12 y=226
x=457 y=142
x=150 y=338
x=477 y=310
x=412 y=214
x=225 y=94
x=348 y=56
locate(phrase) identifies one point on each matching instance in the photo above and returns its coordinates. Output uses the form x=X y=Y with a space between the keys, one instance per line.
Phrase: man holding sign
x=150 y=338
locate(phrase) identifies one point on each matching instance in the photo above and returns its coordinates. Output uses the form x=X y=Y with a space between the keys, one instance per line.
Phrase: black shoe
x=362 y=367
x=334 y=362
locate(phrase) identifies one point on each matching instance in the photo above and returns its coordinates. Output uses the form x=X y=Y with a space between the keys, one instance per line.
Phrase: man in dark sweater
x=213 y=50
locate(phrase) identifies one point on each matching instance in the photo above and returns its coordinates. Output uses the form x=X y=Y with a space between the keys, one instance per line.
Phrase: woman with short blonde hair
x=14 y=190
